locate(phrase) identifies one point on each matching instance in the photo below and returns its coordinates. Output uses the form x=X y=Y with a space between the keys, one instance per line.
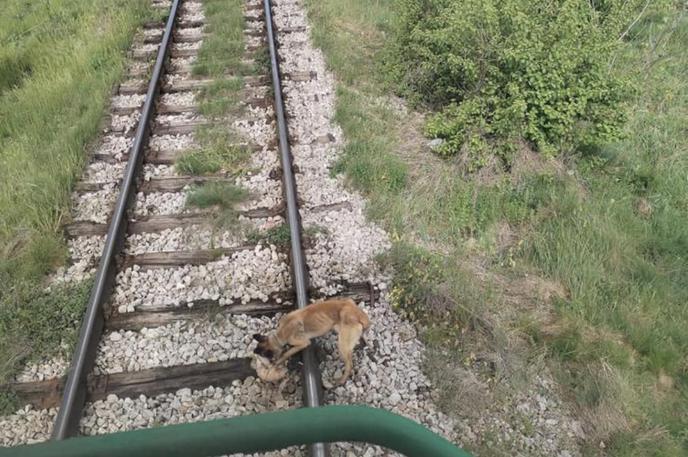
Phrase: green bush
x=501 y=70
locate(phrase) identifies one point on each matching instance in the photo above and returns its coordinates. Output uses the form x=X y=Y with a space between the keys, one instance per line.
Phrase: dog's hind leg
x=347 y=339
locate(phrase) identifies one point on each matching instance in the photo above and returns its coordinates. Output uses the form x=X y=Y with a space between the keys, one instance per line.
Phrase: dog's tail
x=363 y=319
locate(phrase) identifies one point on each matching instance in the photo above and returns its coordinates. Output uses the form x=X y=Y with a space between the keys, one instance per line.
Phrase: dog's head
x=265 y=348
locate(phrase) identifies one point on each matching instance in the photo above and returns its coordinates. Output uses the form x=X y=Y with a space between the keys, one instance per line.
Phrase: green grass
x=221 y=195
x=278 y=235
x=219 y=152
x=607 y=228
x=223 y=48
x=220 y=58
x=43 y=323
x=58 y=62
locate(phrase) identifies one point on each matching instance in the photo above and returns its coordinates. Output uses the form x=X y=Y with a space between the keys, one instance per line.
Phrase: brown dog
x=297 y=328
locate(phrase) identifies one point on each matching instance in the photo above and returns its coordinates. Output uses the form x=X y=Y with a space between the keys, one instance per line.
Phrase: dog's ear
x=258 y=337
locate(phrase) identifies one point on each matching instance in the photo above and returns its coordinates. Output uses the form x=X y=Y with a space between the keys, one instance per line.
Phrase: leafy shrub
x=501 y=70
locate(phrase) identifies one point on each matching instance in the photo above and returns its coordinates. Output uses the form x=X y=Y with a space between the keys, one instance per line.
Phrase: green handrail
x=257 y=433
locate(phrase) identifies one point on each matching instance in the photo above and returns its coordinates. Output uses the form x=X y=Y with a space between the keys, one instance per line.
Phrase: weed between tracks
x=221 y=59
x=223 y=196
x=58 y=62
x=578 y=263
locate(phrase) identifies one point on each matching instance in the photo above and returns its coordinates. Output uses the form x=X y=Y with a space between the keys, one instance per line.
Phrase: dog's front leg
x=297 y=346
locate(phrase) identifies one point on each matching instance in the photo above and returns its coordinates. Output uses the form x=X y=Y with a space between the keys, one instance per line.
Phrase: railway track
x=168 y=282
x=167 y=334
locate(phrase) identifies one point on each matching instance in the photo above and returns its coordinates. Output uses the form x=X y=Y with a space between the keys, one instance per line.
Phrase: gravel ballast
x=84 y=253
x=215 y=339
x=26 y=426
x=115 y=146
x=114 y=414
x=254 y=274
x=95 y=206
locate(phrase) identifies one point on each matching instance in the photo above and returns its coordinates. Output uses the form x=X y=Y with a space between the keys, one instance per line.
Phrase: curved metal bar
x=74 y=396
x=311 y=373
x=247 y=434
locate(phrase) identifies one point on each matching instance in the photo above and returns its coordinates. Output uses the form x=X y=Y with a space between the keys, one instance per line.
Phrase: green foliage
x=220 y=58
x=9 y=402
x=35 y=322
x=278 y=235
x=620 y=349
x=416 y=274
x=221 y=97
x=502 y=70
x=58 y=62
x=223 y=46
x=219 y=152
x=221 y=195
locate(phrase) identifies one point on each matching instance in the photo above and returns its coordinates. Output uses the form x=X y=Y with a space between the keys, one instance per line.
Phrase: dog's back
x=336 y=311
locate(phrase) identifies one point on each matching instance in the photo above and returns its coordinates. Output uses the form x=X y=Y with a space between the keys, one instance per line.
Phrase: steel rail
x=74 y=394
x=310 y=373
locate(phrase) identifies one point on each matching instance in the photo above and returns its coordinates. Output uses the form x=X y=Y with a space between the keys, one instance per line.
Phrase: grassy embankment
x=58 y=62
x=582 y=259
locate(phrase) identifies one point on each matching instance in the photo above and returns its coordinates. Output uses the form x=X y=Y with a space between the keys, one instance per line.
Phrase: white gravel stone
x=187 y=98
x=254 y=13
x=172 y=142
x=42 y=370
x=102 y=172
x=196 y=237
x=193 y=45
x=249 y=396
x=192 y=16
x=192 y=7
x=181 y=343
x=95 y=206
x=246 y=275
x=26 y=426
x=139 y=68
x=190 y=32
x=318 y=188
x=115 y=145
x=251 y=41
x=161 y=4
x=161 y=203
x=343 y=248
x=151 y=171
x=147 y=47
x=265 y=192
x=182 y=64
x=125 y=124
x=128 y=101
x=84 y=253
x=172 y=79
x=257 y=125
x=177 y=119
